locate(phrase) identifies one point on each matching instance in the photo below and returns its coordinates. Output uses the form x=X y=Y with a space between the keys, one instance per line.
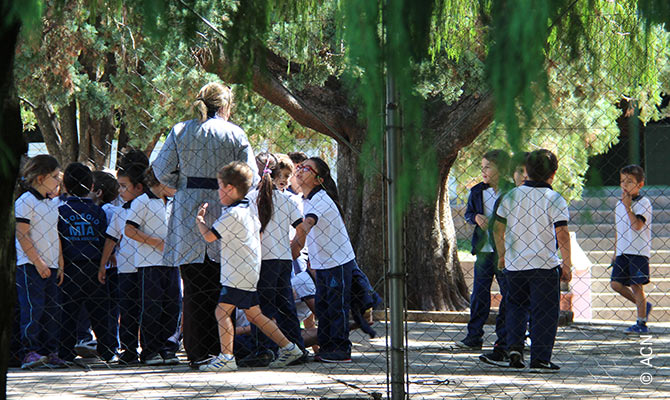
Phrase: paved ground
x=598 y=362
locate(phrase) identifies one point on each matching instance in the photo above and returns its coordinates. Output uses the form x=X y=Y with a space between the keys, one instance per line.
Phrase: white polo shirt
x=628 y=240
x=238 y=232
x=489 y=197
x=147 y=213
x=328 y=241
x=276 y=238
x=532 y=212
x=41 y=214
x=125 y=251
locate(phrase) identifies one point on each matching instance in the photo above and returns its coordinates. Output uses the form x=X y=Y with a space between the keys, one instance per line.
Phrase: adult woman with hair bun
x=192 y=154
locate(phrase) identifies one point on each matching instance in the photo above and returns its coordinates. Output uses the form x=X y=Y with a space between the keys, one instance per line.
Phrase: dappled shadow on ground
x=596 y=362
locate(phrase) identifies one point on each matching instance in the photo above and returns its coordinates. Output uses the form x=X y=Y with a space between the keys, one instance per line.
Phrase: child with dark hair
x=479 y=210
x=331 y=256
x=277 y=213
x=238 y=231
x=81 y=226
x=146 y=224
x=531 y=220
x=39 y=262
x=632 y=247
x=130 y=177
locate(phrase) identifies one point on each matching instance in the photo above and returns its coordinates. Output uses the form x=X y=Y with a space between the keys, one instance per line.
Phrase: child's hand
x=566 y=272
x=102 y=274
x=501 y=263
x=42 y=269
x=60 y=275
x=482 y=221
x=161 y=245
x=626 y=199
x=202 y=210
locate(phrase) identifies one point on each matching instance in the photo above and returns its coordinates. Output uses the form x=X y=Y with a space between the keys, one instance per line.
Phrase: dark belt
x=196 y=182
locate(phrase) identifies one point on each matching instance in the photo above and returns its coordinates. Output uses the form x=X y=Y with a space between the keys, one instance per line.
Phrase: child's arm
x=132 y=232
x=563 y=238
x=26 y=242
x=106 y=254
x=206 y=233
x=499 y=238
x=61 y=265
x=301 y=232
x=636 y=222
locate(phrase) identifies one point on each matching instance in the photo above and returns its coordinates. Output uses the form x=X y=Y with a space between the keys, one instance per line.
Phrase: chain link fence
x=158 y=293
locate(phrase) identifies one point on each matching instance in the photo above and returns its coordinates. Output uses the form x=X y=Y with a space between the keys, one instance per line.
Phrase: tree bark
x=12 y=141
x=435 y=280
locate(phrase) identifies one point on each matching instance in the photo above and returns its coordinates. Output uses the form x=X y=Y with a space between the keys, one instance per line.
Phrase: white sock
x=228 y=357
x=289 y=346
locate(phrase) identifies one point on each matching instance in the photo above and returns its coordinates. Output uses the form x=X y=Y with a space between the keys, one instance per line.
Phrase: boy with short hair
x=479 y=209
x=529 y=223
x=81 y=227
x=632 y=247
x=238 y=230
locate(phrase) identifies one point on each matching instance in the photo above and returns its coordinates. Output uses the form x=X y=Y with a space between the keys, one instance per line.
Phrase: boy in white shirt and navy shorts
x=530 y=221
x=632 y=248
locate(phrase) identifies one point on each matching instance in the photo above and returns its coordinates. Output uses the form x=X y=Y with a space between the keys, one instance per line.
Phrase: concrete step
x=629 y=314
x=609 y=199
x=657 y=285
x=607 y=230
x=606 y=243
x=656 y=270
x=591 y=216
x=605 y=257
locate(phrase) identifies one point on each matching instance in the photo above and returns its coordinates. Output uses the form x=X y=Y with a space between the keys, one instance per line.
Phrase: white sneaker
x=219 y=364
x=286 y=356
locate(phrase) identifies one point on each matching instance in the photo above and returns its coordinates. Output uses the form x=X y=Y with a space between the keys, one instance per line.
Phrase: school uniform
x=237 y=230
x=81 y=227
x=633 y=248
x=481 y=200
x=532 y=212
x=39 y=299
x=128 y=280
x=189 y=160
x=159 y=284
x=332 y=258
x=274 y=283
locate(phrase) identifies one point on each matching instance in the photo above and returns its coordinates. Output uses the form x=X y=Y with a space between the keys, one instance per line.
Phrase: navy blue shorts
x=242 y=299
x=631 y=269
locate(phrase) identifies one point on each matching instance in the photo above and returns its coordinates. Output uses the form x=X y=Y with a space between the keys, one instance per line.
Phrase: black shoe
x=497 y=357
x=261 y=358
x=464 y=344
x=129 y=358
x=543 y=367
x=196 y=364
x=516 y=360
x=169 y=358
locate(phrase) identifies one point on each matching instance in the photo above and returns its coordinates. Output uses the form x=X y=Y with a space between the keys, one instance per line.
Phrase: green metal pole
x=396 y=268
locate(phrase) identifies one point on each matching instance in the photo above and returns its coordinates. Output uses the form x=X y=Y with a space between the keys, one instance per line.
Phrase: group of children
x=281 y=242
x=518 y=234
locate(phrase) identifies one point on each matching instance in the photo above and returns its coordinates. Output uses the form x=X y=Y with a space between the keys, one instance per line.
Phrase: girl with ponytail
x=277 y=213
x=331 y=257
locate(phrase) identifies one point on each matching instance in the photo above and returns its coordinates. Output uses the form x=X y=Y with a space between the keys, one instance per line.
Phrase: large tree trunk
x=435 y=279
x=13 y=144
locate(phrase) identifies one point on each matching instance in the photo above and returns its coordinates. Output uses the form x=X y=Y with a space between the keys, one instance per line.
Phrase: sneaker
x=129 y=358
x=332 y=358
x=543 y=367
x=169 y=358
x=302 y=360
x=516 y=360
x=154 y=359
x=219 y=363
x=496 y=357
x=86 y=348
x=261 y=358
x=196 y=364
x=53 y=361
x=32 y=360
x=637 y=328
x=463 y=344
x=286 y=356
